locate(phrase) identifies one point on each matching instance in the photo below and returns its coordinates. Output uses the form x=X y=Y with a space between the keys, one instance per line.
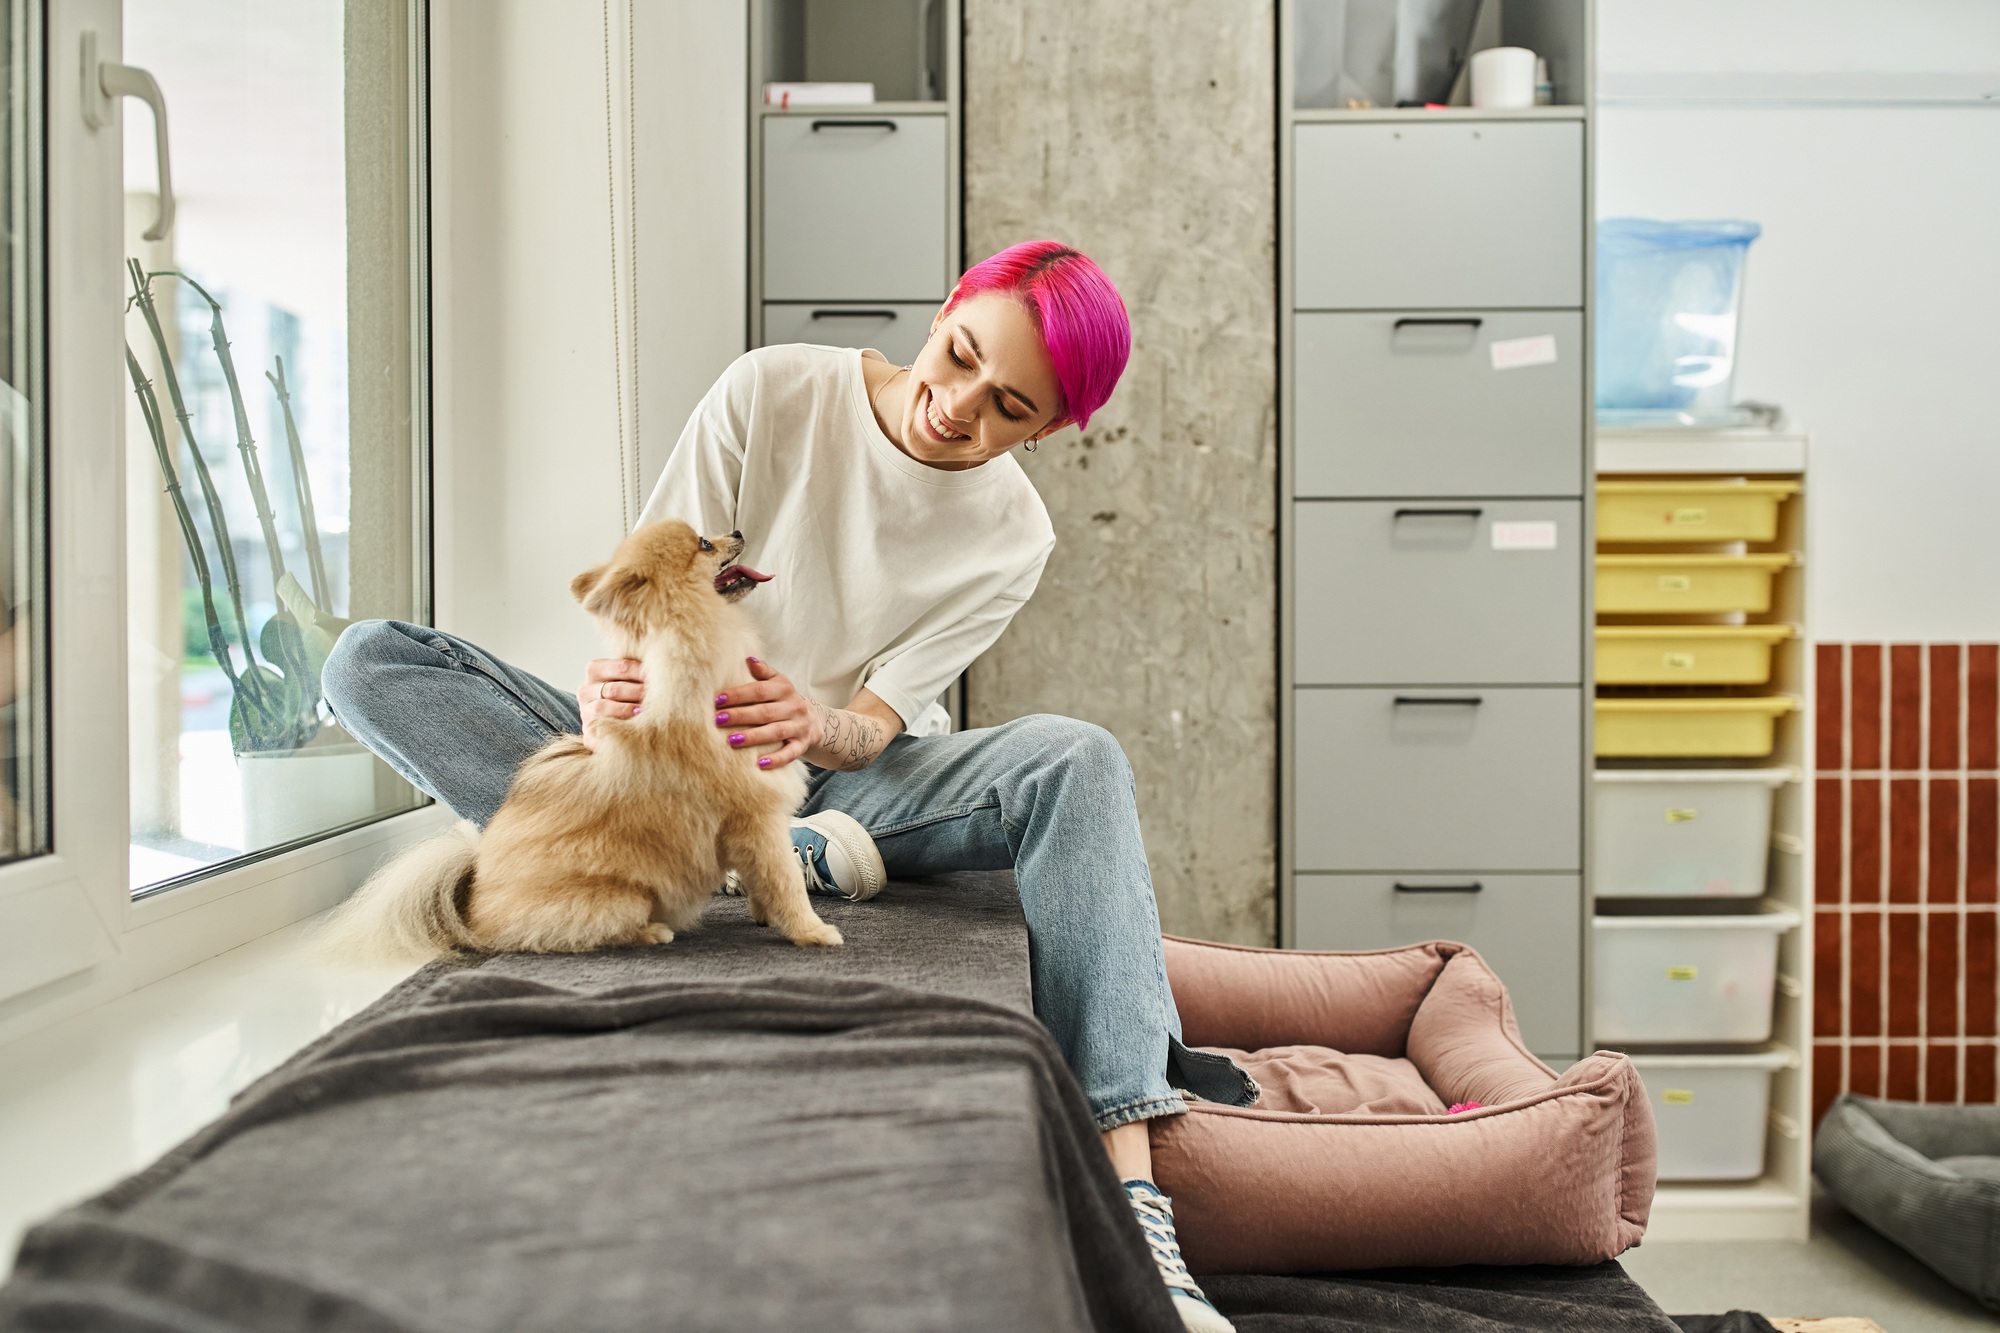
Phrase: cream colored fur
x=624 y=844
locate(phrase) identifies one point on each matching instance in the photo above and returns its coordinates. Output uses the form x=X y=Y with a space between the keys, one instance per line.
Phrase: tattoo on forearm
x=851 y=740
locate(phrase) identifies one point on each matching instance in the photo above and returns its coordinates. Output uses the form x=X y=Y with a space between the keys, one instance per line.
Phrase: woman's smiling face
x=982 y=384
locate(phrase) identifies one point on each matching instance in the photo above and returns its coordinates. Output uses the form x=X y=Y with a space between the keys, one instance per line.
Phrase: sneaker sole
x=846 y=830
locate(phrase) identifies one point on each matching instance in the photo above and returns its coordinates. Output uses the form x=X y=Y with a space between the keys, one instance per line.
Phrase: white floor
x=1845 y=1269
x=96 y=1097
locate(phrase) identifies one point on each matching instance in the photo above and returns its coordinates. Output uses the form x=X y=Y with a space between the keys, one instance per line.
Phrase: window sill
x=159 y=935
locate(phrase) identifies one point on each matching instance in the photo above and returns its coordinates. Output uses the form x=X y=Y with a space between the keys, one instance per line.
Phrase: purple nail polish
x=765 y=762
x=721 y=699
x=736 y=739
x=637 y=711
x=721 y=719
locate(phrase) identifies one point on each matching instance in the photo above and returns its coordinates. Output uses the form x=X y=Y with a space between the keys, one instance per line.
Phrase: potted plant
x=301 y=772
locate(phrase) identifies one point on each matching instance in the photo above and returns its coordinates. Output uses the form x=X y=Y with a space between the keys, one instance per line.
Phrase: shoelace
x=1156 y=1219
x=809 y=861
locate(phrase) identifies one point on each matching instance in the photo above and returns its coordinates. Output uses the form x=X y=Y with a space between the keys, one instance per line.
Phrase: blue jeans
x=1048 y=796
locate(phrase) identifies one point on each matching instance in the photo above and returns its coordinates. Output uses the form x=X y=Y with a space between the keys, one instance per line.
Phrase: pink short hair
x=1077 y=311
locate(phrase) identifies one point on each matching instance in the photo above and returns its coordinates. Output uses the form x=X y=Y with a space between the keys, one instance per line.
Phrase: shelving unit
x=1434 y=525
x=1775 y=1206
x=855 y=230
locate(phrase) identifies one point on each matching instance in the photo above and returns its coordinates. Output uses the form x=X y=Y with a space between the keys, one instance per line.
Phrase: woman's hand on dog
x=768 y=710
x=612 y=687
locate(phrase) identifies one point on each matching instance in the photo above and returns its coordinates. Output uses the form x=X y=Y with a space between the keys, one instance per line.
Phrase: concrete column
x=1143 y=134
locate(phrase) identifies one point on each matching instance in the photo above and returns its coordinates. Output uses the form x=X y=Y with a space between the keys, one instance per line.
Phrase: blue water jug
x=1668 y=296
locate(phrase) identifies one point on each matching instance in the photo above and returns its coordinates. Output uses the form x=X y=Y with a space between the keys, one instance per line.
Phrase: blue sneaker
x=1155 y=1212
x=838 y=857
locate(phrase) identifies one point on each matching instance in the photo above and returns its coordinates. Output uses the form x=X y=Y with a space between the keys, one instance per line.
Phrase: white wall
x=1873 y=298
x=527 y=456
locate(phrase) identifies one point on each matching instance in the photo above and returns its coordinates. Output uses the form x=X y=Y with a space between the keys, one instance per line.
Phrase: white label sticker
x=1514 y=353
x=1536 y=536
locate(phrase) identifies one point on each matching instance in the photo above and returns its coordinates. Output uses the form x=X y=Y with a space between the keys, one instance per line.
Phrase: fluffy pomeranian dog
x=623 y=844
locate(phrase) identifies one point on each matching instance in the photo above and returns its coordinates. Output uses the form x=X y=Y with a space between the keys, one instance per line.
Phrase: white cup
x=1503 y=78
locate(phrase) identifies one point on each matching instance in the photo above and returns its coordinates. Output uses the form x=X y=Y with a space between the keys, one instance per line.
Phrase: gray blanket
x=726 y=1133
x=1600 y=1299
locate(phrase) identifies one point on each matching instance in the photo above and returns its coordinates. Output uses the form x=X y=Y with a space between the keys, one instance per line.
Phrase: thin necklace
x=873 y=399
x=874 y=405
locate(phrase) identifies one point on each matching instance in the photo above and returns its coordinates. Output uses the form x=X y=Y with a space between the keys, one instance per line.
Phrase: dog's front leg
x=776 y=891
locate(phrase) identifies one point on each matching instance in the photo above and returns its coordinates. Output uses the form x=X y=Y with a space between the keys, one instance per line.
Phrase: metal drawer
x=1482 y=593
x=1528 y=928
x=1392 y=215
x=1466 y=779
x=1449 y=403
x=855 y=208
x=896 y=331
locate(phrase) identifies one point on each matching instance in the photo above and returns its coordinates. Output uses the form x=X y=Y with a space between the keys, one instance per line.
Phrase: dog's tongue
x=735 y=572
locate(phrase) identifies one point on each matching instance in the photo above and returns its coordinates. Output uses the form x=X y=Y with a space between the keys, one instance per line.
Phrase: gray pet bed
x=1927 y=1177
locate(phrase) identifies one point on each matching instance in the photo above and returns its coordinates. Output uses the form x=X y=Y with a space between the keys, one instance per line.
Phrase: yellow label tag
x=1680 y=661
x=1675 y=583
x=1685 y=972
x=1682 y=814
x=1677 y=1096
x=1680 y=516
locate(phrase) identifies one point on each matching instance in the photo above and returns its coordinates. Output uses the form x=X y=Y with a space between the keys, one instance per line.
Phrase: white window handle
x=102 y=82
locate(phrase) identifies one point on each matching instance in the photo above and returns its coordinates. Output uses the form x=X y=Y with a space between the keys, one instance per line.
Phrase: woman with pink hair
x=899 y=536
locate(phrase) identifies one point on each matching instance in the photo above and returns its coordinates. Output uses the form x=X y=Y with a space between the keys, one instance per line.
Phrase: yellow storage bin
x=1687 y=654
x=1666 y=584
x=1730 y=510
x=1690 y=728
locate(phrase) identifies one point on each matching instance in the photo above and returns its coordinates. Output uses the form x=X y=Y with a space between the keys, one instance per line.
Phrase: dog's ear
x=604 y=589
x=580 y=586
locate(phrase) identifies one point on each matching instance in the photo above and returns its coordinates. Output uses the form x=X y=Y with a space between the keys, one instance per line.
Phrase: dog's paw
x=731 y=885
x=658 y=933
x=818 y=934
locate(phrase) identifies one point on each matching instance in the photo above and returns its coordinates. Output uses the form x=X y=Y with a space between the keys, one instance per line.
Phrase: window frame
x=72 y=933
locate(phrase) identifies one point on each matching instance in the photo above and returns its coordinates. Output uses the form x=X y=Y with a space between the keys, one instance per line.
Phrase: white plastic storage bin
x=1709 y=1111
x=1686 y=978
x=1683 y=833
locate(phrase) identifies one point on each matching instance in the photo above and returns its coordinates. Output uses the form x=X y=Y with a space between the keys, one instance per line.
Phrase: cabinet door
x=1486 y=593
x=855 y=208
x=896 y=331
x=1392 y=215
x=1432 y=780
x=1528 y=928
x=1474 y=402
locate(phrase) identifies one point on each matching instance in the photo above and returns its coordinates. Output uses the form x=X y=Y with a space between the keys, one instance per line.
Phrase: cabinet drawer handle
x=1438 y=701
x=853 y=314
x=1438 y=321
x=1436 y=513
x=1473 y=886
x=888 y=125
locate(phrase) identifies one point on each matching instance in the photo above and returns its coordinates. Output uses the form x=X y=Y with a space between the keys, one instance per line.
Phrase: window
x=23 y=787
x=272 y=416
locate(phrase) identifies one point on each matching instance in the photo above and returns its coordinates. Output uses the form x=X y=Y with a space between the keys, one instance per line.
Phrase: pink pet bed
x=1401 y=1122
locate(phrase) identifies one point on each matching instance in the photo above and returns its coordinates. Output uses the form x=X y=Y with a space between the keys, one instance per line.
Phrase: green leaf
x=319 y=629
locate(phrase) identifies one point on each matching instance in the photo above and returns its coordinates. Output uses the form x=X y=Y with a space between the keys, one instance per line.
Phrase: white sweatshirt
x=885 y=572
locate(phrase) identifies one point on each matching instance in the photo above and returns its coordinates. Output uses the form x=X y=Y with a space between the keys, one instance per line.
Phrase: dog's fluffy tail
x=409 y=908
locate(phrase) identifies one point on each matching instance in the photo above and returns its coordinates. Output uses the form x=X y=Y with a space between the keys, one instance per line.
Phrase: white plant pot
x=295 y=794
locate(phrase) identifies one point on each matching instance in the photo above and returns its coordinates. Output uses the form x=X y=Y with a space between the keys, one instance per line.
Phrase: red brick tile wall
x=1906 y=887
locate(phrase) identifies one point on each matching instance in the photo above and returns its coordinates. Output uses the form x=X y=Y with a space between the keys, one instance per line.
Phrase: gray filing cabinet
x=854 y=209
x=1435 y=429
